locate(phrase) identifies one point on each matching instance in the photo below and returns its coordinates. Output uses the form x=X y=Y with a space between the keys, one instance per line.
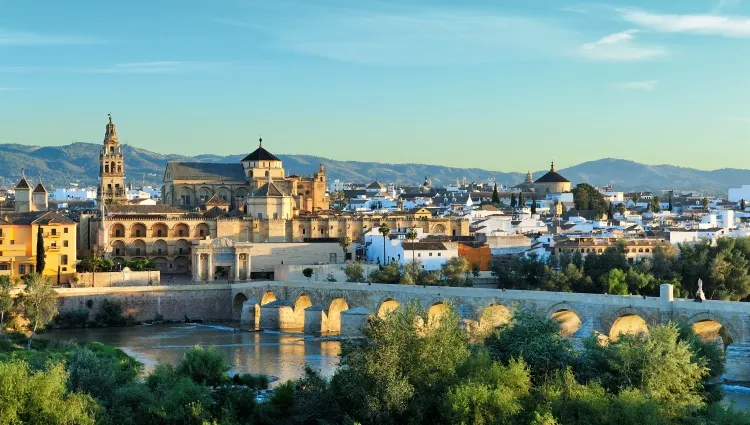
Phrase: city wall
x=204 y=302
x=126 y=277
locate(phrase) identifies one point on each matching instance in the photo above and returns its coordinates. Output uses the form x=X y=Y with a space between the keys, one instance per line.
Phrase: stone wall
x=126 y=277
x=265 y=256
x=320 y=272
x=204 y=302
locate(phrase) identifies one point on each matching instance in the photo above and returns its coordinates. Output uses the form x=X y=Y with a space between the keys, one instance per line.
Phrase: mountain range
x=78 y=163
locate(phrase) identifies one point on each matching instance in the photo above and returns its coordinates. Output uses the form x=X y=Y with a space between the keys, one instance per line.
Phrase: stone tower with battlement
x=111 y=169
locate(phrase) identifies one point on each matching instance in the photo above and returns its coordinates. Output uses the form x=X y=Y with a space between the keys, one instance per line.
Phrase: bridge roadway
x=319 y=307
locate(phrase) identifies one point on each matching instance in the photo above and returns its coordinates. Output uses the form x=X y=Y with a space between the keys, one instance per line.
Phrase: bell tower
x=111 y=168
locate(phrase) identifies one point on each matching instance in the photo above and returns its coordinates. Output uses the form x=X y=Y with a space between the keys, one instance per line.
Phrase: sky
x=506 y=85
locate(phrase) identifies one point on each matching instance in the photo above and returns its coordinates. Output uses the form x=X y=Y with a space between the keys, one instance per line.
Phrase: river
x=271 y=353
x=277 y=354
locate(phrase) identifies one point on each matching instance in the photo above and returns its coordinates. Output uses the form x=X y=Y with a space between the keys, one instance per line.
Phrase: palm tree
x=344 y=242
x=385 y=231
x=411 y=235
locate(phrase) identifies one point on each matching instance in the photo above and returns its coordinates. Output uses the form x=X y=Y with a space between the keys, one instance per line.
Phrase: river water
x=277 y=354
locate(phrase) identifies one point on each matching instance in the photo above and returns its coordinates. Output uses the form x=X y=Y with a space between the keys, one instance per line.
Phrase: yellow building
x=18 y=244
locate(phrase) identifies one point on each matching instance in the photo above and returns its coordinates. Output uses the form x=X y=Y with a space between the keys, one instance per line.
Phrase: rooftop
x=260 y=154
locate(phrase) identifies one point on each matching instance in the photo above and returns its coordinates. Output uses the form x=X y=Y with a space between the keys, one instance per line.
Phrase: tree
x=704 y=203
x=513 y=201
x=6 y=299
x=41 y=396
x=307 y=272
x=344 y=242
x=40 y=261
x=613 y=282
x=385 y=231
x=398 y=372
x=742 y=204
x=454 y=269
x=610 y=212
x=535 y=339
x=205 y=366
x=92 y=264
x=475 y=270
x=669 y=207
x=390 y=273
x=411 y=236
x=39 y=303
x=621 y=208
x=533 y=205
x=355 y=272
x=655 y=204
x=495 y=195
x=520 y=200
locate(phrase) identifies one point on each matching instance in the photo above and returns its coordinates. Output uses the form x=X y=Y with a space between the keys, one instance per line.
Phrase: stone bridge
x=345 y=307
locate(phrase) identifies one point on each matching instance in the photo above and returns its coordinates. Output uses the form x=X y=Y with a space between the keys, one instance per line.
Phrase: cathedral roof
x=205 y=171
x=376 y=185
x=40 y=188
x=23 y=184
x=36 y=217
x=216 y=201
x=552 y=176
x=260 y=154
x=269 y=189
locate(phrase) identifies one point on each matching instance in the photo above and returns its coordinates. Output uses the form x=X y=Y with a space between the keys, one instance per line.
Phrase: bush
x=72 y=318
x=355 y=272
x=92 y=374
x=131 y=404
x=257 y=382
x=110 y=314
x=204 y=366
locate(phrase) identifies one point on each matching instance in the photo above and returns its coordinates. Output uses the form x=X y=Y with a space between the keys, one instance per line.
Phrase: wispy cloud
x=620 y=47
x=419 y=37
x=21 y=38
x=161 y=67
x=727 y=26
x=738 y=119
x=647 y=85
x=723 y=5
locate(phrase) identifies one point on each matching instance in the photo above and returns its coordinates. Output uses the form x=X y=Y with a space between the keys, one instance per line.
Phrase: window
x=179 y=250
x=31 y=269
x=303 y=231
x=54 y=232
x=260 y=215
x=21 y=269
x=180 y=232
x=64 y=260
x=275 y=216
x=117 y=251
x=12 y=242
x=138 y=233
x=158 y=251
x=202 y=233
x=54 y=245
x=419 y=255
x=438 y=254
x=65 y=230
x=159 y=233
x=137 y=251
x=430 y=254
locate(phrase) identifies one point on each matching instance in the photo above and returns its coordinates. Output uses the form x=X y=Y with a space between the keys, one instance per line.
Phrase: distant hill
x=62 y=165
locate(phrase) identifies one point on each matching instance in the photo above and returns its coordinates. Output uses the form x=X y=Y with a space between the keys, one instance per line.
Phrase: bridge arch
x=436 y=313
x=239 y=301
x=268 y=297
x=628 y=320
x=334 y=314
x=387 y=307
x=569 y=317
x=300 y=305
x=711 y=327
x=493 y=316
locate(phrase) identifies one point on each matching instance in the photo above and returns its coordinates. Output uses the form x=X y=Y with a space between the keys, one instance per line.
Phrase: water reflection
x=272 y=353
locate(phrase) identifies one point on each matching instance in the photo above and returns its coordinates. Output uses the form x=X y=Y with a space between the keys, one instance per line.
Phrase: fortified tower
x=111 y=168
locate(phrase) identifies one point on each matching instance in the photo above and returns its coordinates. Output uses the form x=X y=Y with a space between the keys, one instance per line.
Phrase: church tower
x=111 y=168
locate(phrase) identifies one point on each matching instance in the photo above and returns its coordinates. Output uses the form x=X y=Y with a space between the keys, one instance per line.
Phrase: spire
x=111 y=133
x=260 y=142
x=552 y=168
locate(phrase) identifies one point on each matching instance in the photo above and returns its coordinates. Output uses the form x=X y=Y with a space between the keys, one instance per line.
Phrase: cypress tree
x=40 y=250
x=742 y=204
x=513 y=201
x=495 y=195
x=520 y=200
x=533 y=205
x=610 y=211
x=669 y=207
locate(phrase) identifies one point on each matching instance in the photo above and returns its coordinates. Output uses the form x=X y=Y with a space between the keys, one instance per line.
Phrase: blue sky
x=505 y=85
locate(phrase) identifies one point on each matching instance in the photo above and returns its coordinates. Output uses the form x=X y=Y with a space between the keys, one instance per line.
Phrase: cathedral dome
x=552 y=176
x=261 y=154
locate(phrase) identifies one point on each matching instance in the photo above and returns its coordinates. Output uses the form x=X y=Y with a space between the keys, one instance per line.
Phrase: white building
x=74 y=194
x=739 y=193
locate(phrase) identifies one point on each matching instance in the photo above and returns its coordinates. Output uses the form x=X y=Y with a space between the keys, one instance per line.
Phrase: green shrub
x=72 y=318
x=257 y=382
x=110 y=314
x=131 y=404
x=91 y=374
x=162 y=377
x=204 y=366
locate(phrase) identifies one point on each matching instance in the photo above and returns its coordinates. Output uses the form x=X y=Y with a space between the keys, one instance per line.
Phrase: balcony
x=52 y=248
x=52 y=235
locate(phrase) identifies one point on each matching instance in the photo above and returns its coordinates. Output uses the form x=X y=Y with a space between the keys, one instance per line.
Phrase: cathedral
x=111 y=169
x=257 y=186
